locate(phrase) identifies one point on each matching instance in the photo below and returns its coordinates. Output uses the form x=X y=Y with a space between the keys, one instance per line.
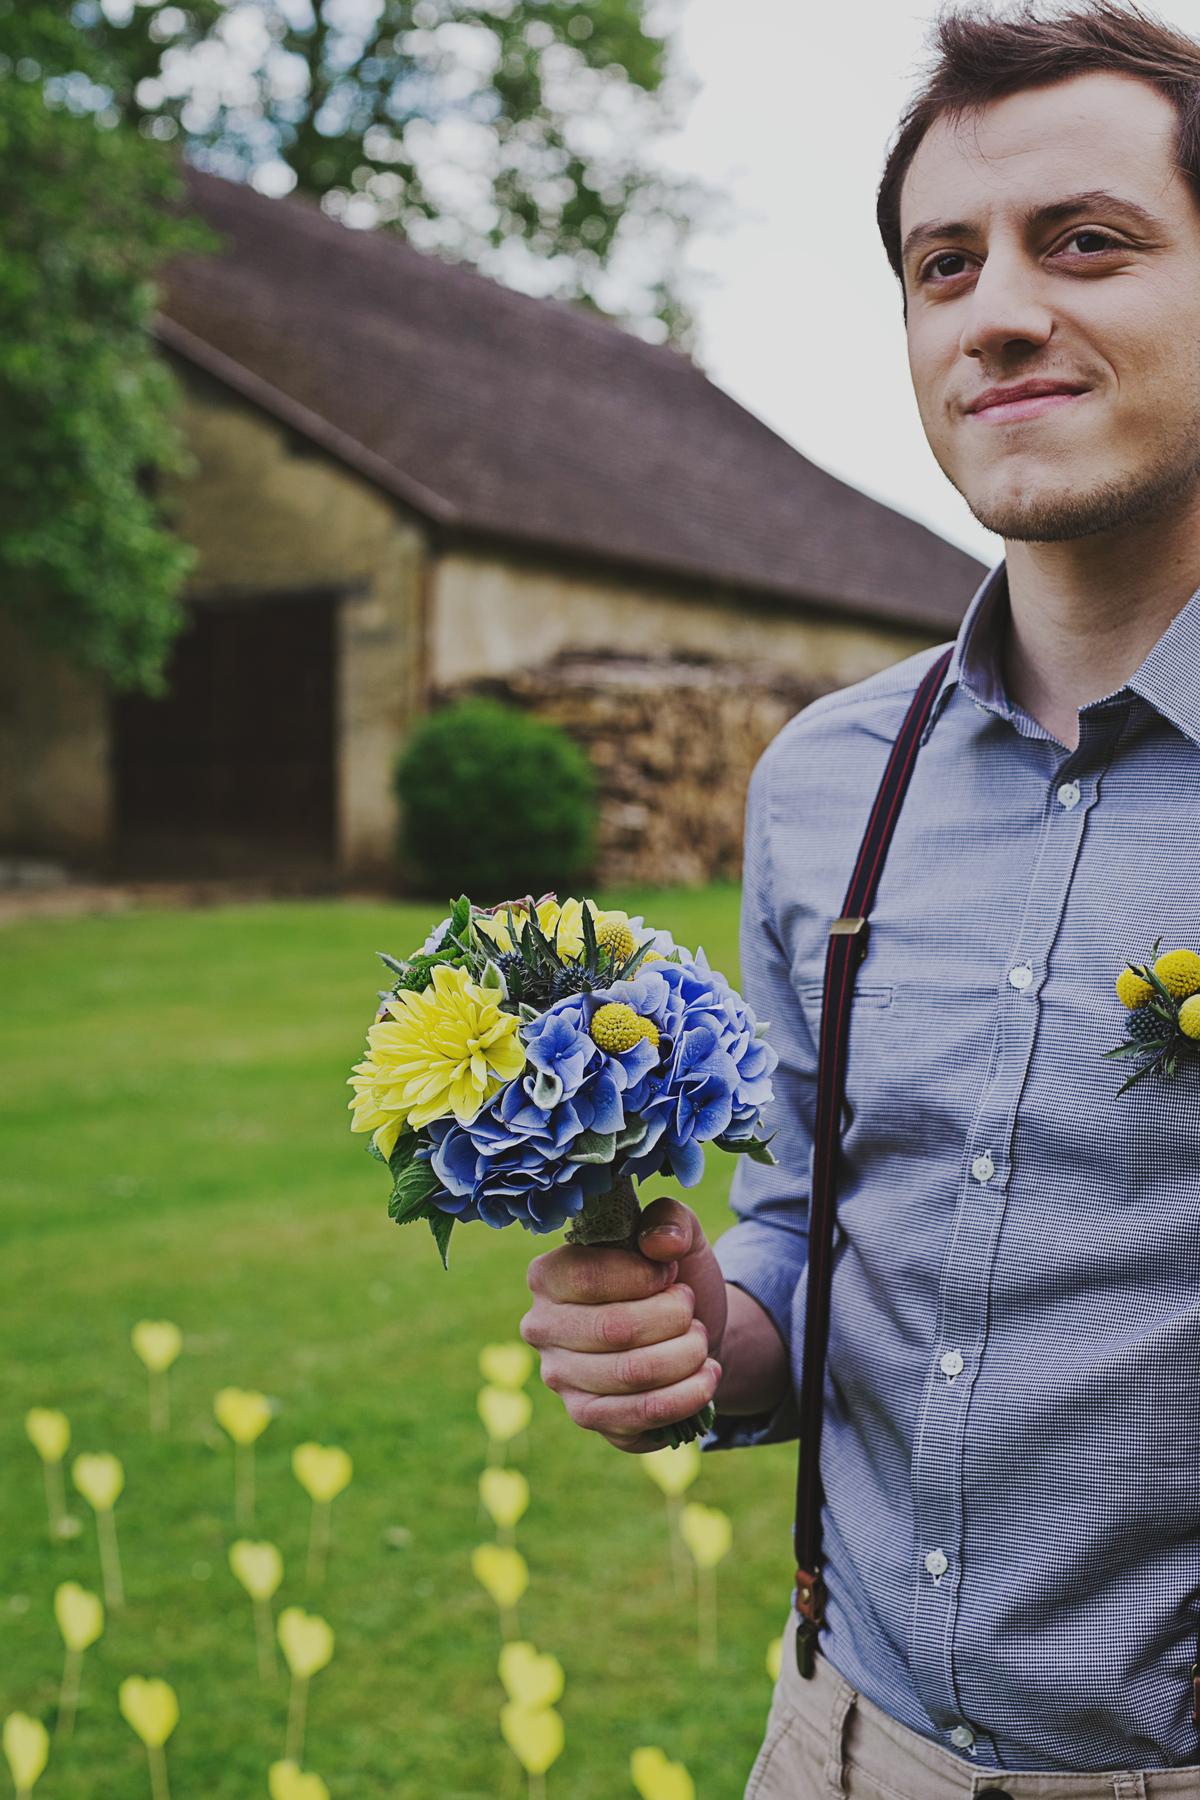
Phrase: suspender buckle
x=850 y=928
x=810 y=1596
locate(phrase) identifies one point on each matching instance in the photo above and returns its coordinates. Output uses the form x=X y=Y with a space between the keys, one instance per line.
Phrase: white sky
x=802 y=320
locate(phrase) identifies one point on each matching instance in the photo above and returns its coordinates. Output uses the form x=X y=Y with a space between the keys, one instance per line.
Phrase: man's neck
x=1086 y=614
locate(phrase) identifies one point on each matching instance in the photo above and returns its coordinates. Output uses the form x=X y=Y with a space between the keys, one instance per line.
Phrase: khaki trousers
x=825 y=1742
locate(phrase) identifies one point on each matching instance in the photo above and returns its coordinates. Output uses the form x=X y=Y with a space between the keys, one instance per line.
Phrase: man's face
x=1052 y=269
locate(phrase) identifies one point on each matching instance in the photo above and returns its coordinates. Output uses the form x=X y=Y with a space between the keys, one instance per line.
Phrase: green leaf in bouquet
x=441 y=1224
x=389 y=962
x=373 y=1151
x=761 y=1029
x=492 y=980
x=591 y=950
x=460 y=916
x=547 y=1091
x=545 y=946
x=594 y=1147
x=633 y=963
x=406 y=1147
x=412 y=1192
x=757 y=1149
x=632 y=1133
x=528 y=1013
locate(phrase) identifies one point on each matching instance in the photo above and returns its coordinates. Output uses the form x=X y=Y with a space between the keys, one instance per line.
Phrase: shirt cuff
x=731 y=1432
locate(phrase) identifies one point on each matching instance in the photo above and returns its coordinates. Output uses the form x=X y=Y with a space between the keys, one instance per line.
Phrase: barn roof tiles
x=528 y=420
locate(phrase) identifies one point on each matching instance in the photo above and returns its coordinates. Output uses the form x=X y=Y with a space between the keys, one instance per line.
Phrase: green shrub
x=496 y=803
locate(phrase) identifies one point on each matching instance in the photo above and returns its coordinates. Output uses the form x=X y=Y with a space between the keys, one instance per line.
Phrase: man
x=1011 y=1447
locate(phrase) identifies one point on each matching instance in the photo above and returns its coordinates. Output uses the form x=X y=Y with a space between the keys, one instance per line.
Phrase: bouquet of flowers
x=1162 y=998
x=532 y=1061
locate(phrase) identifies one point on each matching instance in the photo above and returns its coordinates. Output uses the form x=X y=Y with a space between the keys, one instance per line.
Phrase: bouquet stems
x=611 y=1220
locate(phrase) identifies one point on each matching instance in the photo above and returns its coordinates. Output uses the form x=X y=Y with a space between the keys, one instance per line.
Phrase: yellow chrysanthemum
x=444 y=1051
x=1189 y=1017
x=1179 y=972
x=1132 y=991
x=616 y=1027
x=616 y=936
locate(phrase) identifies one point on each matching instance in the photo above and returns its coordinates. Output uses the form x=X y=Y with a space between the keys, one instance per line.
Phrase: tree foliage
x=85 y=403
x=510 y=134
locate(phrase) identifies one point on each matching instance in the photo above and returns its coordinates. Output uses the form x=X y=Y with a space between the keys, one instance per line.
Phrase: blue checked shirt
x=1011 y=1452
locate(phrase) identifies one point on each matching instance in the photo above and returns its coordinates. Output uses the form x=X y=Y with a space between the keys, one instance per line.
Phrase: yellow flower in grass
x=1179 y=972
x=444 y=1051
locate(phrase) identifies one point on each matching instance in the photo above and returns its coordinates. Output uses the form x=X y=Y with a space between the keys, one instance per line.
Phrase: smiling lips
x=1020 y=400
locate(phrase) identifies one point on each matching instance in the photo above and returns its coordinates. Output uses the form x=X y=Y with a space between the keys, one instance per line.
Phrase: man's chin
x=1057 y=515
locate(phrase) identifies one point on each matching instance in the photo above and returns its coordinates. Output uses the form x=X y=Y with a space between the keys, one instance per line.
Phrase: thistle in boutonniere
x=1162 y=998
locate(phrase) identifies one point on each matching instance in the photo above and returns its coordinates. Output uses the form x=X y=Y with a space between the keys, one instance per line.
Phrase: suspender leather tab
x=847 y=944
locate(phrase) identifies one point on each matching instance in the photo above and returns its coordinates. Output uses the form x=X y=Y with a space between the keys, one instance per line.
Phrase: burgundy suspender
x=847 y=947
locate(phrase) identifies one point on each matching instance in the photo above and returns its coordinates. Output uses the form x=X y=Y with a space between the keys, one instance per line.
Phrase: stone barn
x=409 y=483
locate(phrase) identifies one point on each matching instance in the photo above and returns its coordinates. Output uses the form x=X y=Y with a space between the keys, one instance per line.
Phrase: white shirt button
x=936 y=1564
x=1068 y=794
x=983 y=1168
x=962 y=1737
x=1021 y=976
x=951 y=1364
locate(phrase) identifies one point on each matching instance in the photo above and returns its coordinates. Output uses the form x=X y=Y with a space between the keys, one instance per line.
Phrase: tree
x=510 y=134
x=86 y=558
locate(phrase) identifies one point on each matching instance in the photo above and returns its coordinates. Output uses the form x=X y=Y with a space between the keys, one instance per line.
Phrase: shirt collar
x=1169 y=679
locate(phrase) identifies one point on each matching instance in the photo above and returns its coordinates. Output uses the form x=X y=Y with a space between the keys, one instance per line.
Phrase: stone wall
x=673 y=743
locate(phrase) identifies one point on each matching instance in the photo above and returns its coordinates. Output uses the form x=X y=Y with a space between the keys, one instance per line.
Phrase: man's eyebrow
x=1055 y=212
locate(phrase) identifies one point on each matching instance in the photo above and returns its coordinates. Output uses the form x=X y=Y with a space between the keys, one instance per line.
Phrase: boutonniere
x=1162 y=997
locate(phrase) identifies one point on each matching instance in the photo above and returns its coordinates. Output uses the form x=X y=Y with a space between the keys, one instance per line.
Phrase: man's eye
x=1089 y=243
x=946 y=266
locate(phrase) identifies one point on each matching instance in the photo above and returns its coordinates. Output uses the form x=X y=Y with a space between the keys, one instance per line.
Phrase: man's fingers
x=594 y=1277
x=623 y=1325
x=668 y=1231
x=628 y=1416
x=629 y=1371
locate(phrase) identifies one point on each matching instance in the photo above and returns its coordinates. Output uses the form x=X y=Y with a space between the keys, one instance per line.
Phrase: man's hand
x=627 y=1339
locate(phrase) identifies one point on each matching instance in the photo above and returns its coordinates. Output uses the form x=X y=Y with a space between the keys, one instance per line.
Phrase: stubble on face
x=1126 y=331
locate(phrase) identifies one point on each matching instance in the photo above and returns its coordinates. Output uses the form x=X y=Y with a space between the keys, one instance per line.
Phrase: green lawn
x=175 y=1146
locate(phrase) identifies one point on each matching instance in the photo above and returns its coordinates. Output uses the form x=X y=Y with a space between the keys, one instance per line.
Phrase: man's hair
x=981 y=53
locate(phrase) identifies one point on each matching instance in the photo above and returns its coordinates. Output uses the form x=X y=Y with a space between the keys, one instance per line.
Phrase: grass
x=175 y=1146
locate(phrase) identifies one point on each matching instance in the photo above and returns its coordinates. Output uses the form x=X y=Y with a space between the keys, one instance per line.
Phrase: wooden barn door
x=232 y=772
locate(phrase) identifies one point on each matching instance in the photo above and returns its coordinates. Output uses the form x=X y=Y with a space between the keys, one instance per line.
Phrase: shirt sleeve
x=766 y=1251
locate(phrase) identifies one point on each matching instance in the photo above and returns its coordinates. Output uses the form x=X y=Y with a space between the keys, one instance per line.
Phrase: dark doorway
x=233 y=771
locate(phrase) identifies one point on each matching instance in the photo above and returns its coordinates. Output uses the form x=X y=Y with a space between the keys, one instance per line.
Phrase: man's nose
x=1008 y=314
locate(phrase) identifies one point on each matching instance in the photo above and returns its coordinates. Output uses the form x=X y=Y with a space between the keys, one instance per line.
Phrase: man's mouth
x=1018 y=400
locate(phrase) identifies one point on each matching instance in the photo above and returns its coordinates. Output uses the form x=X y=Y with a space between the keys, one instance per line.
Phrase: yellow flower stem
x=244 y=1483
x=160 y=1400
x=264 y=1631
x=318 y=1544
x=110 y=1560
x=158 y=1772
x=509 y=1628
x=706 y=1617
x=68 y=1696
x=680 y=1559
x=56 y=1499
x=537 y=1787
x=297 y=1709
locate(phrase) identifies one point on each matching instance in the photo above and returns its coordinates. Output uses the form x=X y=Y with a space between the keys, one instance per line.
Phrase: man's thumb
x=668 y=1231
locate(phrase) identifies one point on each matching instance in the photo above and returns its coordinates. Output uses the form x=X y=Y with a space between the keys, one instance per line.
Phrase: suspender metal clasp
x=850 y=928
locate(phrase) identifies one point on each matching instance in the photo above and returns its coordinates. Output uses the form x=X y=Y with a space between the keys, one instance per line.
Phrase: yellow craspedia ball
x=616 y=1027
x=653 y=956
x=1179 y=972
x=1132 y=991
x=649 y=1031
x=1189 y=1017
x=618 y=938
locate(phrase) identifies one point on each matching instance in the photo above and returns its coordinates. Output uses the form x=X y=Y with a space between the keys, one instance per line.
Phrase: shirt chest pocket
x=866 y=999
